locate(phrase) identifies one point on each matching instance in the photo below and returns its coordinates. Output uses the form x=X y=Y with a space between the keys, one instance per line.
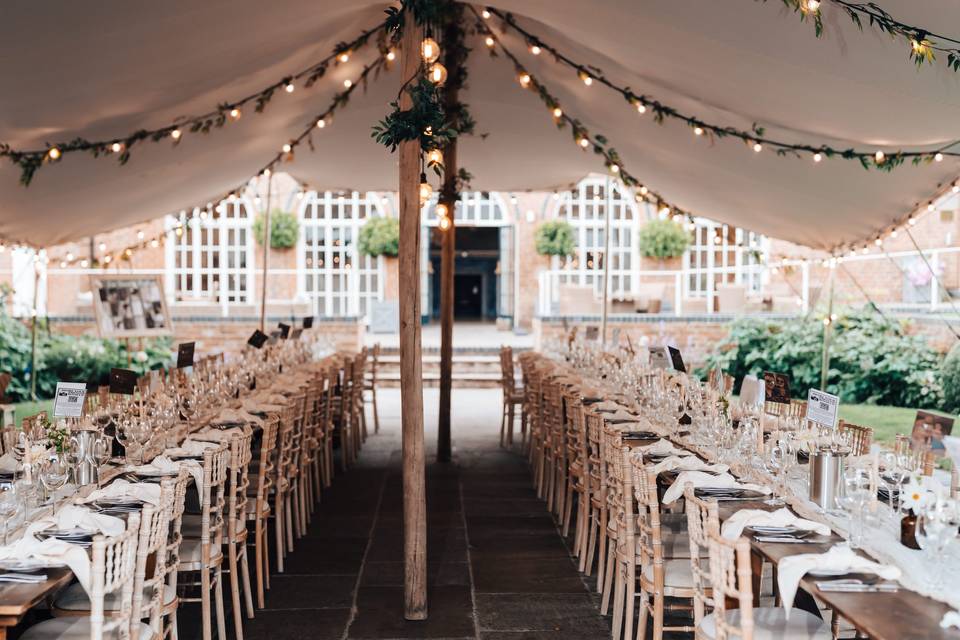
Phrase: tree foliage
x=555 y=238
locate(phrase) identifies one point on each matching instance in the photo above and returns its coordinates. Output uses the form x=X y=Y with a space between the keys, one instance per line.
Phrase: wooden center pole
x=827 y=335
x=449 y=194
x=411 y=379
x=266 y=255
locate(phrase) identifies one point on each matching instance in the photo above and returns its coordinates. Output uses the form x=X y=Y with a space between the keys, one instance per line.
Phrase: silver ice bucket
x=826 y=477
x=86 y=471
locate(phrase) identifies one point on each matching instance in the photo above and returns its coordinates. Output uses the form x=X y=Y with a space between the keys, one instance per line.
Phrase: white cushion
x=72 y=628
x=74 y=598
x=677 y=574
x=771 y=623
x=191 y=551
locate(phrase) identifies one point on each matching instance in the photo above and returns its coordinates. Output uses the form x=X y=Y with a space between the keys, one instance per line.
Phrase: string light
x=391 y=55
x=321 y=123
x=235 y=113
x=140 y=235
x=583 y=142
x=429 y=50
x=485 y=14
x=879 y=156
x=289 y=87
x=641 y=108
x=426 y=191
x=698 y=131
x=444 y=223
x=102 y=246
x=442 y=210
x=938 y=157
x=437 y=73
x=54 y=153
x=524 y=79
x=347 y=83
x=435 y=156
x=812 y=6
x=344 y=57
x=535 y=50
x=586 y=77
x=489 y=41
x=116 y=147
x=955 y=188
x=175 y=134
x=817 y=157
x=757 y=147
x=557 y=112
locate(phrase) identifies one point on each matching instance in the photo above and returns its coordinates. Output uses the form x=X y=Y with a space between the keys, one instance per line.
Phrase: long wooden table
x=899 y=615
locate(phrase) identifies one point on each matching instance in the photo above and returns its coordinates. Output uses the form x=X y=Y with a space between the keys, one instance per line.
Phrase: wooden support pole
x=606 y=267
x=411 y=380
x=266 y=255
x=827 y=334
x=453 y=60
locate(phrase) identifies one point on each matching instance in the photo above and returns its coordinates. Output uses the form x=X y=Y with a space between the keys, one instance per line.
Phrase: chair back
x=507 y=371
x=648 y=530
x=730 y=577
x=152 y=543
x=216 y=466
x=112 y=568
x=175 y=529
x=702 y=517
x=238 y=483
x=860 y=437
x=265 y=470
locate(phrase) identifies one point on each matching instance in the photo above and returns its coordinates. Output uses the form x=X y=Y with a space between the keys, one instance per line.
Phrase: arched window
x=585 y=207
x=331 y=272
x=212 y=260
x=474 y=209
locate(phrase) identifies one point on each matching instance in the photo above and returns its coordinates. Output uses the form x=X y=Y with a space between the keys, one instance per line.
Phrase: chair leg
x=602 y=549
x=288 y=524
x=221 y=618
x=258 y=560
x=278 y=520
x=592 y=542
x=568 y=510
x=245 y=575
x=234 y=590
x=642 y=618
x=205 y=612
x=265 y=554
x=630 y=599
x=376 y=412
x=503 y=423
x=608 y=577
x=618 y=591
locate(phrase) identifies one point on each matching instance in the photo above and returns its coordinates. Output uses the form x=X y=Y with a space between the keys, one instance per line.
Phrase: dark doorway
x=467 y=296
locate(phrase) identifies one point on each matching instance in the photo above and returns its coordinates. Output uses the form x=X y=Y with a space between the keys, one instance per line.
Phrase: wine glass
x=9 y=506
x=937 y=525
x=54 y=473
x=102 y=450
x=856 y=493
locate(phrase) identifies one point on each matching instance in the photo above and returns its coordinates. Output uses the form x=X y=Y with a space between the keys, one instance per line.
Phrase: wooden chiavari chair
x=294 y=525
x=595 y=502
x=612 y=491
x=512 y=396
x=702 y=518
x=112 y=569
x=312 y=451
x=258 y=504
x=343 y=415
x=370 y=384
x=327 y=420
x=575 y=442
x=204 y=555
x=281 y=484
x=731 y=579
x=860 y=437
x=171 y=599
x=553 y=448
x=358 y=405
x=236 y=539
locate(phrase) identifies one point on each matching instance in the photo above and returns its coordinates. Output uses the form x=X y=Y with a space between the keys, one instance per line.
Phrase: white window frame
x=236 y=221
x=343 y=292
x=708 y=263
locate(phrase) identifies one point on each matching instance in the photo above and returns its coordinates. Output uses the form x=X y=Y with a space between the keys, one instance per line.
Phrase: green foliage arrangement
x=663 y=239
x=67 y=358
x=284 y=228
x=871 y=360
x=950 y=379
x=380 y=237
x=555 y=238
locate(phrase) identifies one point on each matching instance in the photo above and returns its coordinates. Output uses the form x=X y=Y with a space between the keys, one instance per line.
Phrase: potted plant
x=284 y=229
x=664 y=241
x=555 y=238
x=381 y=237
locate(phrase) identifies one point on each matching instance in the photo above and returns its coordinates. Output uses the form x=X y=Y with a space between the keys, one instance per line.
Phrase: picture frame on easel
x=130 y=306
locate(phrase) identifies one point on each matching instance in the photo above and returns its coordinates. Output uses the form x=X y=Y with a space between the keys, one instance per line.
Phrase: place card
x=308 y=322
x=776 y=387
x=295 y=333
x=822 y=407
x=659 y=358
x=257 y=339
x=676 y=359
x=284 y=330
x=185 y=353
x=69 y=399
x=123 y=381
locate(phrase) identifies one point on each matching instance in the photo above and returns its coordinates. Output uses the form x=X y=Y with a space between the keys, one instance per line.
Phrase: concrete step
x=391 y=380
x=435 y=357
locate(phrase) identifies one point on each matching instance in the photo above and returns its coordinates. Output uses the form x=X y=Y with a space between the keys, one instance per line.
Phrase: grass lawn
x=28 y=409
x=887 y=422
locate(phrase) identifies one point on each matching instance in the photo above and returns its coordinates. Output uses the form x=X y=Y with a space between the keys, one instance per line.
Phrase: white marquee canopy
x=104 y=69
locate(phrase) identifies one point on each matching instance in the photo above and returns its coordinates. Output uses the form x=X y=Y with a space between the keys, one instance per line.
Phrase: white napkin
x=217 y=435
x=620 y=416
x=840 y=558
x=254 y=405
x=235 y=416
x=664 y=447
x=702 y=479
x=950 y=619
x=73 y=516
x=162 y=463
x=190 y=448
x=735 y=524
x=8 y=464
x=120 y=488
x=687 y=463
x=50 y=551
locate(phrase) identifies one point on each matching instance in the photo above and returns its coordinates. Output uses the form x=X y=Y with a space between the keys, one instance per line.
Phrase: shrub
x=380 y=237
x=555 y=238
x=663 y=239
x=284 y=229
x=950 y=379
x=61 y=357
x=870 y=360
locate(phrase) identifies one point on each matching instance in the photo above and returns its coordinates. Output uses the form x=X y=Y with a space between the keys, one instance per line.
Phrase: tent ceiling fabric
x=105 y=69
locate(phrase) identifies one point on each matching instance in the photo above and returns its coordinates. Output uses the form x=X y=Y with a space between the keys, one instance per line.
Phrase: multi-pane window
x=331 y=272
x=473 y=209
x=212 y=260
x=723 y=254
x=586 y=208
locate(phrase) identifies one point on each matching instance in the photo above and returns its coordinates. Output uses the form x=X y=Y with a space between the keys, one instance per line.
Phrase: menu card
x=257 y=339
x=185 y=353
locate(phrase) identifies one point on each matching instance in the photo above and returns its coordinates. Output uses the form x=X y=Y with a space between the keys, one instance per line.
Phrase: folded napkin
x=701 y=479
x=950 y=619
x=8 y=464
x=122 y=489
x=51 y=551
x=607 y=406
x=190 y=448
x=218 y=435
x=73 y=516
x=664 y=447
x=235 y=416
x=839 y=558
x=620 y=416
x=735 y=524
x=687 y=463
x=162 y=464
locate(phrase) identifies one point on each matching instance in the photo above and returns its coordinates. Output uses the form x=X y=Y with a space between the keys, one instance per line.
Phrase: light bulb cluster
x=754 y=139
x=30 y=161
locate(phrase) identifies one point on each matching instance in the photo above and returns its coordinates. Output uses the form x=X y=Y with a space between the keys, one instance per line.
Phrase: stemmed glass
x=937 y=525
x=776 y=460
x=856 y=494
x=102 y=450
x=9 y=506
x=54 y=473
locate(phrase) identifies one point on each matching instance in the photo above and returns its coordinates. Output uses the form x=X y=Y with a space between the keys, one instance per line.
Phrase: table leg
x=756 y=565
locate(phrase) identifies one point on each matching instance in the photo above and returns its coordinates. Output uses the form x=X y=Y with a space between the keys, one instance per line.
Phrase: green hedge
x=67 y=358
x=871 y=361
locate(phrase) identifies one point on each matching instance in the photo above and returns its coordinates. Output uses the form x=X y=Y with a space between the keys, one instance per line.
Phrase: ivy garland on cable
x=923 y=43
x=30 y=161
x=754 y=139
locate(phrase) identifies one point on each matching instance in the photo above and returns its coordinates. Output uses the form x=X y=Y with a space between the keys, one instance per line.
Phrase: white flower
x=37 y=453
x=141 y=356
x=915 y=495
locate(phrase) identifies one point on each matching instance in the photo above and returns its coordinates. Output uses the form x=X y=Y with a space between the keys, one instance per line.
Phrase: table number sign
x=776 y=387
x=308 y=322
x=284 y=330
x=185 y=354
x=69 y=399
x=123 y=381
x=257 y=339
x=295 y=333
x=676 y=359
x=822 y=407
x=659 y=358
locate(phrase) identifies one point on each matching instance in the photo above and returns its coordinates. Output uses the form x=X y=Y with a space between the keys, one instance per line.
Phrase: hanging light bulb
x=615 y=168
x=813 y=6
x=437 y=73
x=344 y=57
x=894 y=233
x=391 y=55
x=435 y=156
x=107 y=259
x=524 y=79
x=938 y=157
x=489 y=41
x=84 y=264
x=444 y=223
x=442 y=211
x=955 y=188
x=584 y=142
x=817 y=157
x=879 y=156
x=286 y=148
x=757 y=147
x=116 y=147
x=485 y=14
x=557 y=112
x=641 y=108
x=664 y=212
x=878 y=241
x=347 y=83
x=63 y=264
x=535 y=50
x=644 y=190
x=587 y=79
x=425 y=189
x=176 y=134
x=698 y=131
x=930 y=206
x=154 y=243
x=102 y=246
x=235 y=113
x=321 y=123
x=289 y=87
x=53 y=153
x=429 y=50
x=140 y=235
x=911 y=221
x=70 y=257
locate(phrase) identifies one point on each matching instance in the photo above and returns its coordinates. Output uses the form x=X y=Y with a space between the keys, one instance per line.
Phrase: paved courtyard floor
x=498 y=567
